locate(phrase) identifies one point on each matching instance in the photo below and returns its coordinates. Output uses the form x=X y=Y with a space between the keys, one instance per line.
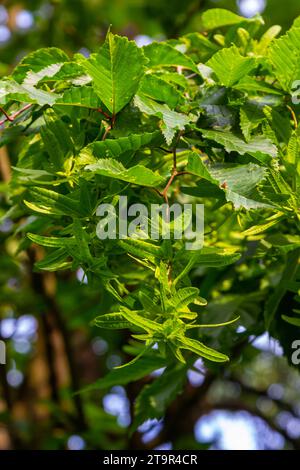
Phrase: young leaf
x=61 y=242
x=111 y=321
x=202 y=350
x=51 y=202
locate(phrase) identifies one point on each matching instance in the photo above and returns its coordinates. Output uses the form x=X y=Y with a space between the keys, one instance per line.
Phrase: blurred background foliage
x=44 y=318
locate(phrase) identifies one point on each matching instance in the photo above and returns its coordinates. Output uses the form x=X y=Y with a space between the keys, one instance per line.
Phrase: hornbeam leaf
x=219 y=17
x=83 y=97
x=171 y=120
x=39 y=60
x=230 y=66
x=197 y=167
x=258 y=146
x=164 y=55
x=57 y=140
x=284 y=55
x=137 y=174
x=11 y=90
x=116 y=71
x=115 y=147
x=237 y=181
x=158 y=89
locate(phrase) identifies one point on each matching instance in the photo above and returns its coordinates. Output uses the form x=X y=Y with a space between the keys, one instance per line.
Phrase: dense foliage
x=207 y=118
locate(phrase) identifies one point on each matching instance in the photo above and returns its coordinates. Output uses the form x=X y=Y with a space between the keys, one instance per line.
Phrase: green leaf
x=171 y=120
x=207 y=256
x=141 y=248
x=219 y=17
x=136 y=319
x=258 y=146
x=11 y=90
x=197 y=167
x=237 y=181
x=267 y=38
x=162 y=55
x=111 y=321
x=158 y=89
x=137 y=174
x=251 y=116
x=201 y=350
x=291 y=320
x=154 y=399
x=289 y=273
x=116 y=71
x=116 y=147
x=83 y=97
x=82 y=252
x=39 y=60
x=132 y=373
x=230 y=66
x=57 y=140
x=184 y=297
x=214 y=325
x=50 y=202
x=252 y=86
x=284 y=55
x=54 y=261
x=57 y=242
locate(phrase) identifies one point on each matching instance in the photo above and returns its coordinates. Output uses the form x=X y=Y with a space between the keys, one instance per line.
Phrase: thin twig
x=8 y=118
x=107 y=116
x=13 y=116
x=293 y=115
x=110 y=127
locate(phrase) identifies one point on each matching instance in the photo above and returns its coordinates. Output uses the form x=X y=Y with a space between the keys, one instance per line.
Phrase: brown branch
x=13 y=116
x=107 y=116
x=8 y=118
